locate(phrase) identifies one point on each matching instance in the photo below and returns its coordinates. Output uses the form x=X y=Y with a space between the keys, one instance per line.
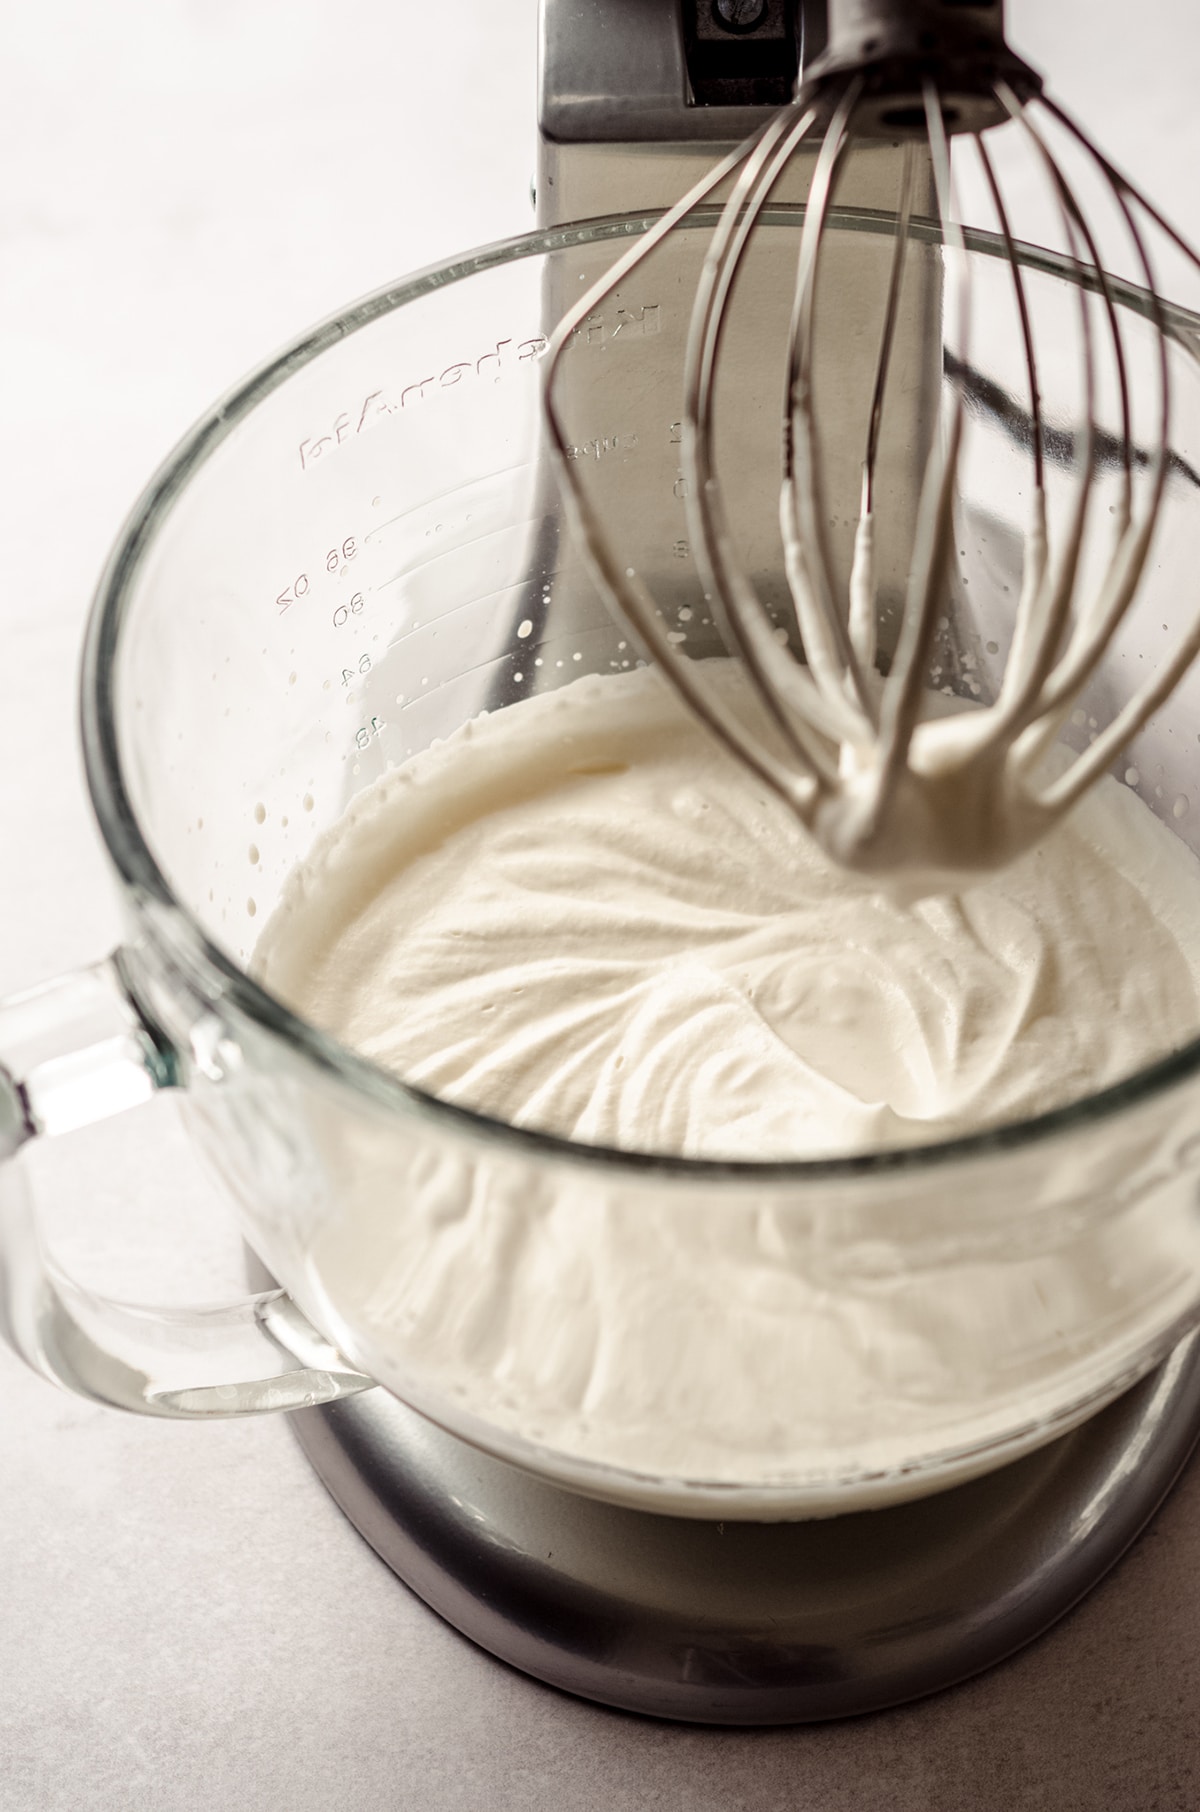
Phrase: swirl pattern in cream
x=578 y=916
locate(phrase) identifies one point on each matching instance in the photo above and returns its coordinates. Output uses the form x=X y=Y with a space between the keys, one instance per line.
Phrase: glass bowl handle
x=73 y=1052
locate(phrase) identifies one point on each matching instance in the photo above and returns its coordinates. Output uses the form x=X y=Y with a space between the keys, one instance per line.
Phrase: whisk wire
x=792 y=698
x=1099 y=620
x=823 y=627
x=1022 y=677
x=904 y=202
x=862 y=616
x=1134 y=715
x=904 y=689
x=1022 y=302
x=1044 y=610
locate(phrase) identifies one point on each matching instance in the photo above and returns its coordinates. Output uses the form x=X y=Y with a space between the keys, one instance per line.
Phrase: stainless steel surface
x=616 y=71
x=743 y=1623
x=619 y=122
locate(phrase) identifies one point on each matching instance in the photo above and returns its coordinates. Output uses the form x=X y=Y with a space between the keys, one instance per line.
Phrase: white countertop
x=186 y=1621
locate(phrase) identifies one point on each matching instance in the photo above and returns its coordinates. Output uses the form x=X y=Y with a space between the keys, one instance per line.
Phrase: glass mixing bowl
x=357 y=551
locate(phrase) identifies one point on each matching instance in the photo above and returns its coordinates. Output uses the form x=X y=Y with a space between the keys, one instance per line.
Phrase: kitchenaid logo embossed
x=368 y=411
x=504 y=355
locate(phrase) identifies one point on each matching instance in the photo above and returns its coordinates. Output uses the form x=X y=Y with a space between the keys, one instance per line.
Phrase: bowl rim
x=219 y=980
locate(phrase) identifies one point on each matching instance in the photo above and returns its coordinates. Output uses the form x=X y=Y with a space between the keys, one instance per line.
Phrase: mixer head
x=893 y=779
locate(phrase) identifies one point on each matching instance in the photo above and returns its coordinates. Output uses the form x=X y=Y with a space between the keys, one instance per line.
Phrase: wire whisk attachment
x=893 y=779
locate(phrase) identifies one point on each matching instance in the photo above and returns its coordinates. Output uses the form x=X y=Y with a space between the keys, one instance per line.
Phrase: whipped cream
x=581 y=917
x=577 y=915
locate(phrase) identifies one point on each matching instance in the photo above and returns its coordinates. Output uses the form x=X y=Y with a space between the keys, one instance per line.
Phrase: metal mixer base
x=749 y=1623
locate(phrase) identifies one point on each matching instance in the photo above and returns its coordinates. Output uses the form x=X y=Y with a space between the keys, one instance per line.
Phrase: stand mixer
x=735 y=1621
x=736 y=1611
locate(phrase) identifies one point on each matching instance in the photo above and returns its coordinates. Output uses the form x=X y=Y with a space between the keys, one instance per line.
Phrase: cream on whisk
x=579 y=916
